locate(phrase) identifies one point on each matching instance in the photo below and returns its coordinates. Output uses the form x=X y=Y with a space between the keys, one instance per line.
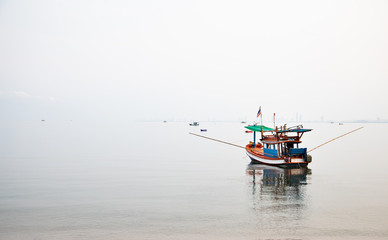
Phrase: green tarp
x=257 y=128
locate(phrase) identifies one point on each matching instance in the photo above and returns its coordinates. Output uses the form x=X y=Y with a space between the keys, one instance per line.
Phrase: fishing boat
x=194 y=124
x=278 y=147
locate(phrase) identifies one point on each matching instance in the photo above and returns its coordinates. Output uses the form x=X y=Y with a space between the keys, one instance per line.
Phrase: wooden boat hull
x=257 y=157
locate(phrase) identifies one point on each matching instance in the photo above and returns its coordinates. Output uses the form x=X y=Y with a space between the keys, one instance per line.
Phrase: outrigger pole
x=216 y=140
x=334 y=139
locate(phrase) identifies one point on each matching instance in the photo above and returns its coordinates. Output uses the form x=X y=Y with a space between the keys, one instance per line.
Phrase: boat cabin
x=281 y=142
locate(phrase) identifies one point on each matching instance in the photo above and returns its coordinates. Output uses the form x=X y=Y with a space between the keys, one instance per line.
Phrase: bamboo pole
x=216 y=140
x=334 y=139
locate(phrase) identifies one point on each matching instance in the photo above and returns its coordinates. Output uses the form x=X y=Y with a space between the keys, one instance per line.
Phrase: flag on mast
x=259 y=112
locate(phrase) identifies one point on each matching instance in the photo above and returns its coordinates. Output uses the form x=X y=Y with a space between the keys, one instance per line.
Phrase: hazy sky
x=193 y=60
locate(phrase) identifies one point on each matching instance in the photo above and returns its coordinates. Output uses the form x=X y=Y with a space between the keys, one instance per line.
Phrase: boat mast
x=254 y=138
x=261 y=122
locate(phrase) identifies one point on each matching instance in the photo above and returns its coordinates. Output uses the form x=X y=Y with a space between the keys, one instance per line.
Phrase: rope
x=217 y=140
x=334 y=139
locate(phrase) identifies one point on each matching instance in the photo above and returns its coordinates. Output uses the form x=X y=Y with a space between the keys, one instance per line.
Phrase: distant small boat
x=203 y=130
x=194 y=124
x=248 y=131
x=243 y=122
x=340 y=123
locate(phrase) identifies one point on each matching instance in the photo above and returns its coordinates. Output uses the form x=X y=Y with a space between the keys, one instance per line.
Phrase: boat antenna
x=274 y=125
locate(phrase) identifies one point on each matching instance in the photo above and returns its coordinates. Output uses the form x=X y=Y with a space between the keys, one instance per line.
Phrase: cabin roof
x=295 y=130
x=280 y=141
x=258 y=128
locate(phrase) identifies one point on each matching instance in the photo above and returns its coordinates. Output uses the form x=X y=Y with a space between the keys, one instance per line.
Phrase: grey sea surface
x=78 y=180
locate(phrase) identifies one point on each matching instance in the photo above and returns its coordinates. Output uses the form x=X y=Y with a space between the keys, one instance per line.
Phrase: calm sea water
x=71 y=180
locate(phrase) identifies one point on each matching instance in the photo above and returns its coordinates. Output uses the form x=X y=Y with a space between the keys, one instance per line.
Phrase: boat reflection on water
x=278 y=194
x=276 y=176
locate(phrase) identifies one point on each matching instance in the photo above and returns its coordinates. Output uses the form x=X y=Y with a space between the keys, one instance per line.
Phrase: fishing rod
x=334 y=139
